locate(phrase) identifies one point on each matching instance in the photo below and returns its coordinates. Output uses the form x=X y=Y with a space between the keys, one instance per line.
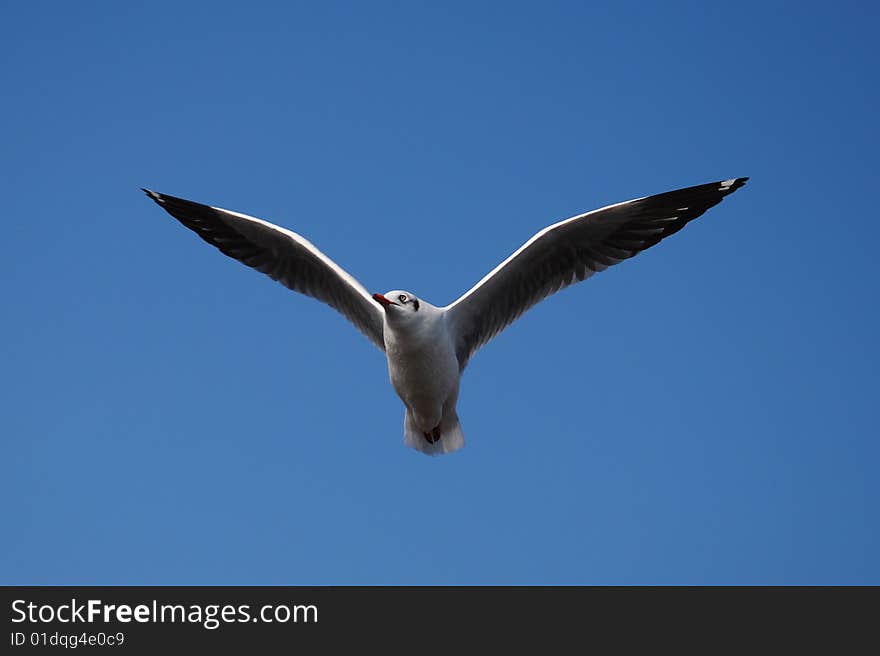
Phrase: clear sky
x=704 y=413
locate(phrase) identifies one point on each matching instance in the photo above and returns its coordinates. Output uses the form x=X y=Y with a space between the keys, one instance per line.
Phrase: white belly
x=424 y=374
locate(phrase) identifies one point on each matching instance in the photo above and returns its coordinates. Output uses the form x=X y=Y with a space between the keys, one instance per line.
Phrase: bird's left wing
x=570 y=251
x=282 y=255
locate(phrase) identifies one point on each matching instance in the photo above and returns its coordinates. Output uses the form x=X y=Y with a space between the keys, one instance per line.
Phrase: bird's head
x=398 y=303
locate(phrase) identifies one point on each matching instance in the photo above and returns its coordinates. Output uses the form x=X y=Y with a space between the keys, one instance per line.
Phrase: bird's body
x=428 y=347
x=422 y=364
x=424 y=372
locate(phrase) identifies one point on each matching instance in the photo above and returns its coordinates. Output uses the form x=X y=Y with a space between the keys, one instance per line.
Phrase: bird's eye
x=402 y=298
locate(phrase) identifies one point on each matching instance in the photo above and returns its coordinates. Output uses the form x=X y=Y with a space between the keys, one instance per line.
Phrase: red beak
x=384 y=302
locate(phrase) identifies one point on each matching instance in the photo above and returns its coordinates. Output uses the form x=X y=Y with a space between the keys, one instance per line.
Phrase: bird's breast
x=422 y=367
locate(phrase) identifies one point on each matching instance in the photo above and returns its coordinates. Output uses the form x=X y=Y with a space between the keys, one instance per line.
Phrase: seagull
x=428 y=347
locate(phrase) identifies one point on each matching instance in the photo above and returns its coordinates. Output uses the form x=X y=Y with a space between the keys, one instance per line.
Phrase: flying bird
x=428 y=347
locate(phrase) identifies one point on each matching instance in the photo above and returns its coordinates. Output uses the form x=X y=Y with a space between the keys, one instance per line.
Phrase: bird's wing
x=570 y=251
x=282 y=255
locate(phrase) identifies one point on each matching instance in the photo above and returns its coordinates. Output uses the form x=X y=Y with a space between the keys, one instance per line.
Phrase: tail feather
x=451 y=436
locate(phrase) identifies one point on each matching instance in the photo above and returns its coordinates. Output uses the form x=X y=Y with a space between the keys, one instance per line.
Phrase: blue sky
x=704 y=413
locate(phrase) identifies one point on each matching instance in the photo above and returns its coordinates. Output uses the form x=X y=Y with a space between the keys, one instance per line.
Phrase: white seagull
x=428 y=347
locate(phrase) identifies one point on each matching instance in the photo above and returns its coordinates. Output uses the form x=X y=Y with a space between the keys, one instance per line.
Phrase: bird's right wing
x=282 y=255
x=570 y=251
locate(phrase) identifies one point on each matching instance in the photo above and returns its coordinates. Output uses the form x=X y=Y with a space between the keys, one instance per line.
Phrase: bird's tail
x=451 y=437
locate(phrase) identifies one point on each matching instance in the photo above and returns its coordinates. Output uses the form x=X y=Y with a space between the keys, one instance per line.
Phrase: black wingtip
x=153 y=195
x=732 y=184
